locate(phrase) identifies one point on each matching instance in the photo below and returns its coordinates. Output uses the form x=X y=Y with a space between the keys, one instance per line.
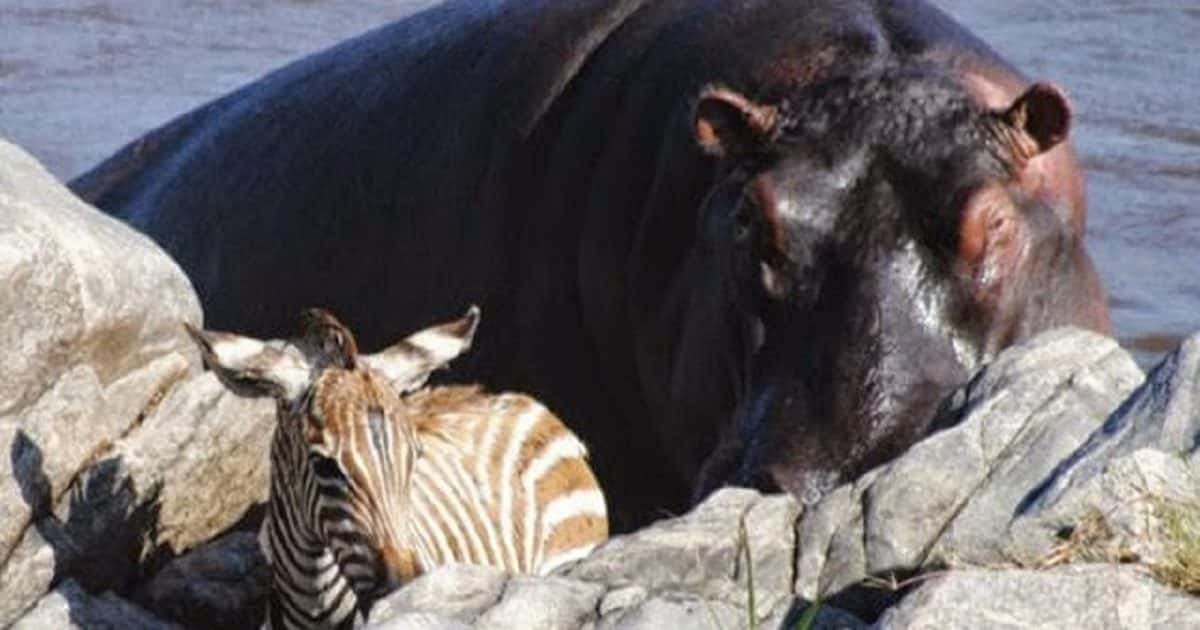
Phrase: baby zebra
x=374 y=482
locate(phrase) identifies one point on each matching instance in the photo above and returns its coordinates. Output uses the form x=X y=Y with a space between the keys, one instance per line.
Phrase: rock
x=1164 y=413
x=209 y=452
x=1123 y=506
x=678 y=610
x=459 y=591
x=543 y=603
x=678 y=571
x=1035 y=406
x=826 y=618
x=69 y=607
x=222 y=584
x=81 y=288
x=1080 y=597
x=699 y=553
x=952 y=497
x=192 y=469
x=90 y=324
x=419 y=621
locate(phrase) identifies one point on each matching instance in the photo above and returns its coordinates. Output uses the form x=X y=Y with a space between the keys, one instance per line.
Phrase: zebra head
x=344 y=447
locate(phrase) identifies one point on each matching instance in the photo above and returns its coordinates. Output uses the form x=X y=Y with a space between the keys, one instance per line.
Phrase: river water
x=79 y=78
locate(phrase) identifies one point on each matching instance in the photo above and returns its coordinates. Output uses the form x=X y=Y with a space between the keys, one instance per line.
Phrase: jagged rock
x=90 y=323
x=209 y=452
x=1078 y=597
x=687 y=571
x=1164 y=413
x=69 y=607
x=222 y=584
x=1124 y=505
x=193 y=467
x=1130 y=464
x=699 y=552
x=952 y=497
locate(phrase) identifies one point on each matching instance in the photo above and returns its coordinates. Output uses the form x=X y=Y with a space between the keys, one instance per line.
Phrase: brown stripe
x=575 y=532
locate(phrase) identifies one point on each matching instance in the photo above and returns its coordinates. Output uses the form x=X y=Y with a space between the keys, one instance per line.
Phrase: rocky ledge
x=1061 y=490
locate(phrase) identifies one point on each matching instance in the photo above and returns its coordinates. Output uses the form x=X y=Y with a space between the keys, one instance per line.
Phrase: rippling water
x=78 y=79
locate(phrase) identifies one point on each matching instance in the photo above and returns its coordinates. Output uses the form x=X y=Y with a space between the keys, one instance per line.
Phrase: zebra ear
x=250 y=367
x=408 y=364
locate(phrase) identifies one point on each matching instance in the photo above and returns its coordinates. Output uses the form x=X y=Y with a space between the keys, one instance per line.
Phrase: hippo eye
x=742 y=224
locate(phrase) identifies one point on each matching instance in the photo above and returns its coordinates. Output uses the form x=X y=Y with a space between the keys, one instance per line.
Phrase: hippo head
x=880 y=238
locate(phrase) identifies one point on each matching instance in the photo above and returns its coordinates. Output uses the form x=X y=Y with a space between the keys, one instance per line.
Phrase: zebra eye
x=325 y=467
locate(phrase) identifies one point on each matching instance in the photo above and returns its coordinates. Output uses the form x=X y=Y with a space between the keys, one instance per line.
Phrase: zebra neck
x=309 y=590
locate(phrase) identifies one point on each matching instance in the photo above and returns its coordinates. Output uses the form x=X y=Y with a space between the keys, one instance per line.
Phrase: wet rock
x=1081 y=597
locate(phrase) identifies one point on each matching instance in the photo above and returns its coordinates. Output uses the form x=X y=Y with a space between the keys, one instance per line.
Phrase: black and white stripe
x=369 y=489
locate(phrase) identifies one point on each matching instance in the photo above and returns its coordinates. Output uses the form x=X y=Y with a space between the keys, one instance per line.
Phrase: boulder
x=704 y=552
x=460 y=592
x=1143 y=457
x=951 y=498
x=543 y=603
x=1083 y=597
x=693 y=571
x=91 y=329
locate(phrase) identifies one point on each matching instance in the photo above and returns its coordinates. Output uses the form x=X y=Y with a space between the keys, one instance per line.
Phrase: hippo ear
x=250 y=367
x=727 y=123
x=1041 y=118
x=408 y=364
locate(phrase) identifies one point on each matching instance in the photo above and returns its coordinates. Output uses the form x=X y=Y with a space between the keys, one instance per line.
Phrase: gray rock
x=420 y=621
x=90 y=324
x=621 y=598
x=69 y=607
x=221 y=584
x=952 y=497
x=1126 y=500
x=1164 y=413
x=677 y=611
x=457 y=591
x=543 y=603
x=700 y=553
x=1054 y=393
x=208 y=451
x=1080 y=597
x=81 y=288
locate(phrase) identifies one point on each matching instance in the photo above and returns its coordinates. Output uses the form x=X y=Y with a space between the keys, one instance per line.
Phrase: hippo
x=749 y=242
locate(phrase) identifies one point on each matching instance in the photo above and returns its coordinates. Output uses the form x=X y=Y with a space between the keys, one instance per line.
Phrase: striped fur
x=372 y=486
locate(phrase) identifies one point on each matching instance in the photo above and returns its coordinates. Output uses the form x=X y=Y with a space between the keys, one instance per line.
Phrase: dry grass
x=1091 y=540
x=1181 y=566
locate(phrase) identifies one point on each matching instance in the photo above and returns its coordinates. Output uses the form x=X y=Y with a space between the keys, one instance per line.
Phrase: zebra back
x=500 y=481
